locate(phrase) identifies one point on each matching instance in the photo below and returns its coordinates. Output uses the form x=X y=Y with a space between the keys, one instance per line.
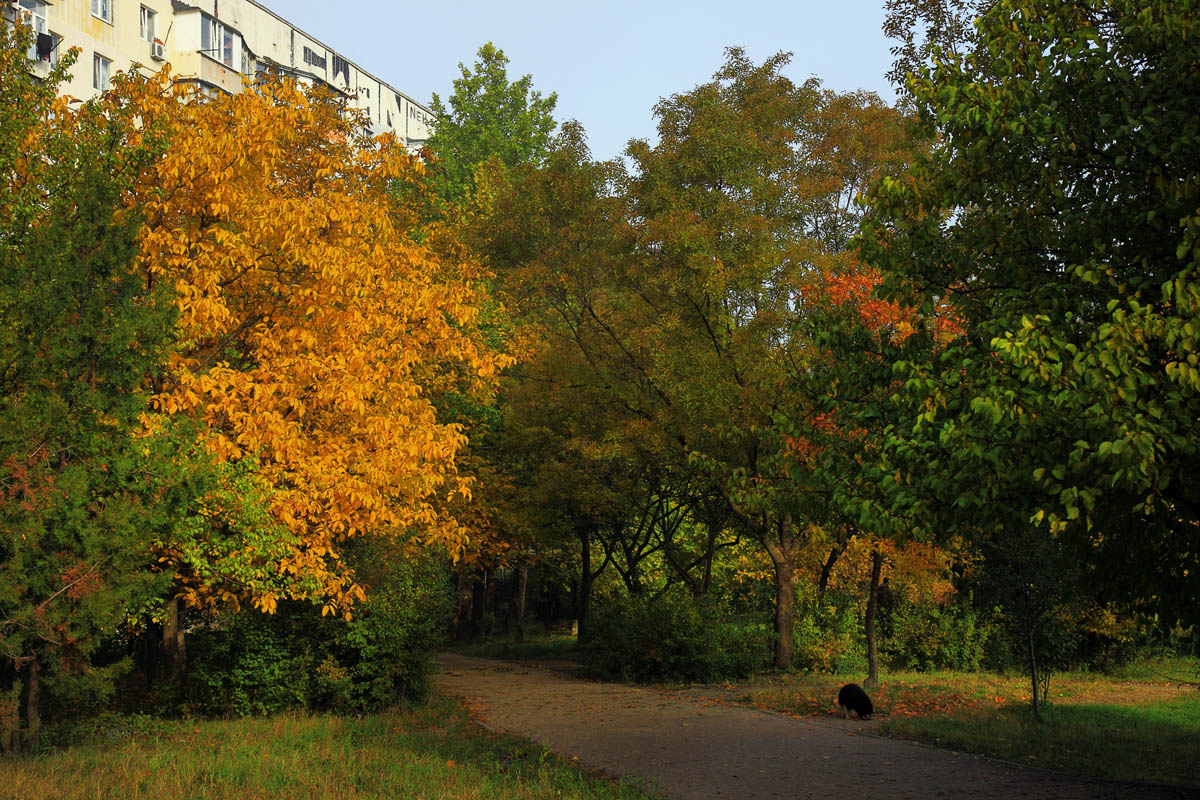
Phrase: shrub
x=925 y=636
x=252 y=663
x=746 y=647
x=388 y=648
x=828 y=635
x=914 y=633
x=671 y=637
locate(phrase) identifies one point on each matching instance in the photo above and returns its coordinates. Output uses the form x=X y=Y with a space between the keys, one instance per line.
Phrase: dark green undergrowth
x=431 y=752
x=539 y=646
x=255 y=664
x=671 y=637
x=1153 y=742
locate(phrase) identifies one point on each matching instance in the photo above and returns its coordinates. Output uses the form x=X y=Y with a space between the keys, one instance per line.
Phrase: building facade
x=213 y=43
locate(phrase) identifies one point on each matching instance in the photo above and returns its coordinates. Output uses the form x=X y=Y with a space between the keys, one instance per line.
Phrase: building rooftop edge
x=180 y=5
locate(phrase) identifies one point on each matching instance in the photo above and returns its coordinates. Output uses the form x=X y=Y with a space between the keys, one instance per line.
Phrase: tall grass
x=429 y=753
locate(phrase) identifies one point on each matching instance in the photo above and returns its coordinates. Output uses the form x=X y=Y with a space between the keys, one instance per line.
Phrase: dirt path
x=690 y=748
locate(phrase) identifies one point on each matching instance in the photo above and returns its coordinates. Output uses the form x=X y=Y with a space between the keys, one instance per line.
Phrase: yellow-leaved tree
x=314 y=331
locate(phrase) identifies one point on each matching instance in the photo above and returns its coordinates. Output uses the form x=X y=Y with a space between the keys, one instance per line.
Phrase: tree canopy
x=1056 y=215
x=84 y=485
x=313 y=330
x=488 y=116
x=669 y=299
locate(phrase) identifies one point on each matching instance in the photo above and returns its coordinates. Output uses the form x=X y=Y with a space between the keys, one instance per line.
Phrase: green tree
x=83 y=488
x=592 y=462
x=503 y=123
x=672 y=297
x=925 y=28
x=744 y=211
x=548 y=220
x=488 y=116
x=1056 y=221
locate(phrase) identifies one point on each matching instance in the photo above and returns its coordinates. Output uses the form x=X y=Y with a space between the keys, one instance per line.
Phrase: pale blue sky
x=610 y=62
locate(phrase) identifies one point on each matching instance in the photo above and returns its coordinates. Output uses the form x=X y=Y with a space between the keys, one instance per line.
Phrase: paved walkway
x=690 y=748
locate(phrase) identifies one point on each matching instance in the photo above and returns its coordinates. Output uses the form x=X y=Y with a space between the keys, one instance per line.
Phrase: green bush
x=252 y=663
x=919 y=634
x=671 y=637
x=387 y=650
x=69 y=694
x=829 y=634
x=746 y=647
x=931 y=636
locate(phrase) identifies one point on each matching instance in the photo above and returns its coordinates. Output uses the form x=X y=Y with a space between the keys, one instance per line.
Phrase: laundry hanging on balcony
x=45 y=46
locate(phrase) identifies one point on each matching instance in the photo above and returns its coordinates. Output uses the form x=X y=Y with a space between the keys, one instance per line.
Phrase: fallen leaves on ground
x=893 y=700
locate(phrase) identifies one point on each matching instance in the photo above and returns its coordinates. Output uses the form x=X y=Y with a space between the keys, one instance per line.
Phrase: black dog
x=853 y=698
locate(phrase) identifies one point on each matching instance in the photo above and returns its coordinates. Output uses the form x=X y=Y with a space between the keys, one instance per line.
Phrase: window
x=314 y=60
x=52 y=43
x=341 y=67
x=219 y=42
x=147 y=24
x=103 y=9
x=101 y=67
x=210 y=32
x=33 y=14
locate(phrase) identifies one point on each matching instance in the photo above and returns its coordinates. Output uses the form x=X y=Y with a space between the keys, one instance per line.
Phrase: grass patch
x=898 y=695
x=433 y=752
x=1169 y=669
x=1153 y=743
x=1142 y=724
x=540 y=647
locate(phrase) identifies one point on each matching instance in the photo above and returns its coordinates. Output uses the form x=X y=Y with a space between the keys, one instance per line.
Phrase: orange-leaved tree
x=314 y=330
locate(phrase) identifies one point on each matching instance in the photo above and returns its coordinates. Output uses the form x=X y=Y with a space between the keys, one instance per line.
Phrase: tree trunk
x=489 y=602
x=785 y=612
x=173 y=641
x=827 y=570
x=519 y=600
x=1033 y=675
x=478 y=601
x=462 y=608
x=31 y=721
x=10 y=711
x=872 y=606
x=585 y=579
x=782 y=550
x=715 y=515
x=706 y=574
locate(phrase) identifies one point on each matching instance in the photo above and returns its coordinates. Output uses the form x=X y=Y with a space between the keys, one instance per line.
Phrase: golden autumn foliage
x=313 y=328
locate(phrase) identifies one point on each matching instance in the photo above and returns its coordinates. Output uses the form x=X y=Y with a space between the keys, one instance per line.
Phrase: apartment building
x=213 y=43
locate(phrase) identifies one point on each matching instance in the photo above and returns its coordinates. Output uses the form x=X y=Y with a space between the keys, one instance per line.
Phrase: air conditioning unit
x=157 y=51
